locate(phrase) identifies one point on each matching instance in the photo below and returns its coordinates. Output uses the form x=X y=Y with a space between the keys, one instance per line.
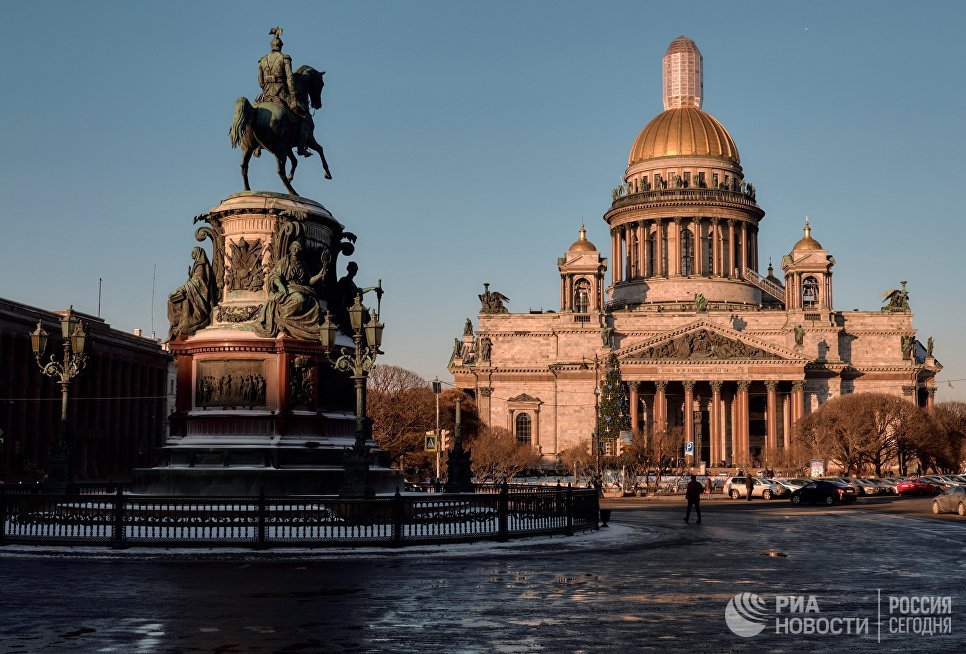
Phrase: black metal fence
x=119 y=520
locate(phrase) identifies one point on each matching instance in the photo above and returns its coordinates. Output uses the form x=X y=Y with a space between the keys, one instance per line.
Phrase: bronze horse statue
x=270 y=126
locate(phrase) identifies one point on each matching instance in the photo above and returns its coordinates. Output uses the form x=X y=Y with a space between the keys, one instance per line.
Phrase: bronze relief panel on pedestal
x=230 y=383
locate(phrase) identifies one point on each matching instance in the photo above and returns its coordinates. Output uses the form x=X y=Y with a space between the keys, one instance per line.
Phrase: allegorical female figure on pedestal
x=292 y=305
x=189 y=306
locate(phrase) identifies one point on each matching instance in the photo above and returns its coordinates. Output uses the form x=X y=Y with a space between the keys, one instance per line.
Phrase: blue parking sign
x=689 y=447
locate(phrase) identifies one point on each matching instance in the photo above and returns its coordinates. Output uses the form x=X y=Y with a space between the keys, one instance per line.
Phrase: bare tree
x=497 y=455
x=943 y=447
x=393 y=379
x=864 y=430
x=577 y=459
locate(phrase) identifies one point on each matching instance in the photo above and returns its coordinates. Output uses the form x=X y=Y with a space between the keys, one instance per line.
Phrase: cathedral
x=704 y=340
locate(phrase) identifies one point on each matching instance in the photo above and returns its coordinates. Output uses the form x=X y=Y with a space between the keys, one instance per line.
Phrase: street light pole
x=437 y=389
x=60 y=459
x=366 y=339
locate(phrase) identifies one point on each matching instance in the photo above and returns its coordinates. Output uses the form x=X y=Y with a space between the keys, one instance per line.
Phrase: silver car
x=954 y=499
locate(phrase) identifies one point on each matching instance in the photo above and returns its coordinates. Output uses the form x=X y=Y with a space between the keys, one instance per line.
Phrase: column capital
x=715 y=220
x=716 y=386
x=743 y=386
x=659 y=221
x=909 y=390
x=688 y=385
x=677 y=220
x=798 y=385
x=771 y=385
x=659 y=386
x=931 y=391
x=486 y=391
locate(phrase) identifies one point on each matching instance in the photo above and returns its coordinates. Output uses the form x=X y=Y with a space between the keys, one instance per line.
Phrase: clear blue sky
x=469 y=140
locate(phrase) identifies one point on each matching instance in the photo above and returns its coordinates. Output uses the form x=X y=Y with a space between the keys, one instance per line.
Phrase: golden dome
x=807 y=242
x=582 y=244
x=685 y=131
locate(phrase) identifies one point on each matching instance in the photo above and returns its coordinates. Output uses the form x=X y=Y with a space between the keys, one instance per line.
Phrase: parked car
x=823 y=491
x=886 y=486
x=735 y=488
x=916 y=486
x=789 y=484
x=953 y=499
x=866 y=487
x=781 y=490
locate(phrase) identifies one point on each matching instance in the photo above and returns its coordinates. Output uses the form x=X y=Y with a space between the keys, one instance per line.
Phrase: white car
x=735 y=488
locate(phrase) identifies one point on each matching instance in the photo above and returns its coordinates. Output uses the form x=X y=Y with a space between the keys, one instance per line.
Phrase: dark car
x=953 y=499
x=824 y=492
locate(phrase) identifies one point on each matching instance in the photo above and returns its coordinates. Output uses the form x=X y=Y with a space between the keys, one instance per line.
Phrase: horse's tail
x=241 y=121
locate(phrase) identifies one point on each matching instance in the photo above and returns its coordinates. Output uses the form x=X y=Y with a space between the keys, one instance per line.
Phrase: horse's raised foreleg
x=312 y=143
x=246 y=157
x=280 y=158
x=295 y=163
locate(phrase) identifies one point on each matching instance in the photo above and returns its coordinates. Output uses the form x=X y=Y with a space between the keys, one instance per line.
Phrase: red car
x=916 y=486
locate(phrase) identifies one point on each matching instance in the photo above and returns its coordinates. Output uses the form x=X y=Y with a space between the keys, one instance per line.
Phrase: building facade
x=704 y=341
x=118 y=405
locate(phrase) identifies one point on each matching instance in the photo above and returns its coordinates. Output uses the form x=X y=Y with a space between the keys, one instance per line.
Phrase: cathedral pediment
x=704 y=342
x=524 y=398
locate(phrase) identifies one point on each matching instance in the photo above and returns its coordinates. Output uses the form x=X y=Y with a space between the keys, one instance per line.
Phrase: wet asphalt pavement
x=653 y=584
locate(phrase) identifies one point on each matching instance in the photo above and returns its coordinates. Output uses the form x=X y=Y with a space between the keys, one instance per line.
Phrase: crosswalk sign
x=429 y=444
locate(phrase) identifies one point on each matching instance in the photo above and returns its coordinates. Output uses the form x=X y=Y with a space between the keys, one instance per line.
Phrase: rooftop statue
x=492 y=301
x=896 y=300
x=280 y=119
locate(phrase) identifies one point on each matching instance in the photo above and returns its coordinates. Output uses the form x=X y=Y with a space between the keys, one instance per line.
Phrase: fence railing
x=119 y=520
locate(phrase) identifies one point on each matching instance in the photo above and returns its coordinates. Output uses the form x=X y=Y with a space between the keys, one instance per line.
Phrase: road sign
x=689 y=447
x=429 y=444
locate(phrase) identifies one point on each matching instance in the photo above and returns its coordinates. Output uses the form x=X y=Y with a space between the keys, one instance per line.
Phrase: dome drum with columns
x=704 y=341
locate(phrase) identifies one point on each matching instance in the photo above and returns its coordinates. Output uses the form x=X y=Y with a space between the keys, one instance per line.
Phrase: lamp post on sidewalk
x=60 y=459
x=437 y=389
x=358 y=362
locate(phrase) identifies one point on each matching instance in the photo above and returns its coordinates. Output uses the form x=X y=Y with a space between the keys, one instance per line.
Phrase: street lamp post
x=459 y=477
x=437 y=389
x=366 y=339
x=60 y=471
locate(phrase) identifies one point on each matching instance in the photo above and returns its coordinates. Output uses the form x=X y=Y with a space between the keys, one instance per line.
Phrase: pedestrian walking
x=749 y=485
x=693 y=495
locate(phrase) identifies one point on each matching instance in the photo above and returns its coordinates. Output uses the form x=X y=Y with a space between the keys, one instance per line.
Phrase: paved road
x=663 y=586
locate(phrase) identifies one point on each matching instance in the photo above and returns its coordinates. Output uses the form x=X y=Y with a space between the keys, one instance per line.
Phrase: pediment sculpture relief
x=704 y=344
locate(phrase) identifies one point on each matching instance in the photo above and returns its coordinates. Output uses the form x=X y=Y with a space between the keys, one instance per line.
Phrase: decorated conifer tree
x=614 y=414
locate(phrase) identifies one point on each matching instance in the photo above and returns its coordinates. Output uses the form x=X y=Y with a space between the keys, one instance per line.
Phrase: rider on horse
x=278 y=86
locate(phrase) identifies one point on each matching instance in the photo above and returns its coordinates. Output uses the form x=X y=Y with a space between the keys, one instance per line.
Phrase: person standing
x=709 y=487
x=693 y=495
x=749 y=485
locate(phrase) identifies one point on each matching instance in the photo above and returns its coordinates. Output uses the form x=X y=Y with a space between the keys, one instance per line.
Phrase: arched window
x=582 y=296
x=687 y=252
x=523 y=428
x=809 y=292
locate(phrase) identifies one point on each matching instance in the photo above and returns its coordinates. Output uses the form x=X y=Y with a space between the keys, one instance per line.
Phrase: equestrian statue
x=279 y=120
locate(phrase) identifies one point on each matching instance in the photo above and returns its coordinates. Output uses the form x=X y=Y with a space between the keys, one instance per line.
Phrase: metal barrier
x=118 y=520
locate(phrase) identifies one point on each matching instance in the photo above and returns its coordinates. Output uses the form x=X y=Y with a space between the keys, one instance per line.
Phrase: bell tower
x=582 y=272
x=808 y=276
